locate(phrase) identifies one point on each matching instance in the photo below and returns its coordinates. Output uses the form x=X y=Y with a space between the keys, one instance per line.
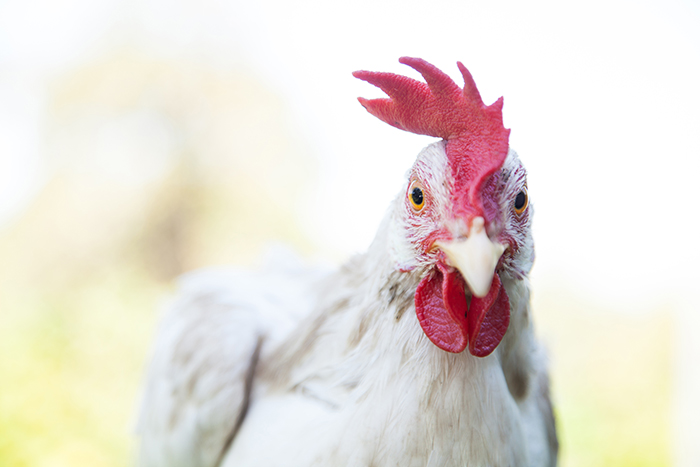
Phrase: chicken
x=420 y=352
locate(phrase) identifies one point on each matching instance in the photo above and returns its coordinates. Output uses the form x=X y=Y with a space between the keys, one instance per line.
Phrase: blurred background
x=143 y=139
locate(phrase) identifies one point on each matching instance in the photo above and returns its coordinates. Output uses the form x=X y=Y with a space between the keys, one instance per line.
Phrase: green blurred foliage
x=611 y=378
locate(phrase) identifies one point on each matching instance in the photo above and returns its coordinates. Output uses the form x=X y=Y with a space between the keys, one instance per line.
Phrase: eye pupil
x=417 y=196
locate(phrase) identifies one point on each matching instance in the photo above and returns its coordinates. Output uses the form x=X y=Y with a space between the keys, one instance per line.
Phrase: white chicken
x=365 y=366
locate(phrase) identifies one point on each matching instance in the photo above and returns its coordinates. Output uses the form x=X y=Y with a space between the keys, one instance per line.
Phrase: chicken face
x=464 y=218
x=426 y=233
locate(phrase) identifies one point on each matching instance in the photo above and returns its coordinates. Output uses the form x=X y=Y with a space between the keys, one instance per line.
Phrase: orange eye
x=521 y=201
x=416 y=196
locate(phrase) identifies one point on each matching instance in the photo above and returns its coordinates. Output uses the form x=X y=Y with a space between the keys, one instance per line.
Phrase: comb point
x=470 y=90
x=497 y=107
x=439 y=82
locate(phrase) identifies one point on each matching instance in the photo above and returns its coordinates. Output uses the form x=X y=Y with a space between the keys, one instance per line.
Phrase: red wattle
x=451 y=324
x=441 y=306
x=488 y=319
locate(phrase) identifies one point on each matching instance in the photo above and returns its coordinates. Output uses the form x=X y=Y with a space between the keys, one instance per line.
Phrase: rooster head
x=464 y=218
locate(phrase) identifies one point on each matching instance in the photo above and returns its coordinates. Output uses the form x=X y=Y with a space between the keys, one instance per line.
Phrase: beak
x=475 y=258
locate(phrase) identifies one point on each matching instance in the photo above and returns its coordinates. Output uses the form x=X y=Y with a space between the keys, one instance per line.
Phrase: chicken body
x=311 y=368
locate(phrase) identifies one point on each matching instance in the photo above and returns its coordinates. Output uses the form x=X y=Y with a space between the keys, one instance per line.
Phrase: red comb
x=477 y=142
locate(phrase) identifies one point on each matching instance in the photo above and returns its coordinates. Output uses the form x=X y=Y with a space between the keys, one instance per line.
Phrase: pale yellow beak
x=475 y=258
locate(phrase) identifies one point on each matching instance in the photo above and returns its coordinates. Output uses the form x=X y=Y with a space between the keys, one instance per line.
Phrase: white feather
x=293 y=368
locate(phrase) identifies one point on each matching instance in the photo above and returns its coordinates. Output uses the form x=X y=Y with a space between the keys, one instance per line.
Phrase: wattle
x=452 y=324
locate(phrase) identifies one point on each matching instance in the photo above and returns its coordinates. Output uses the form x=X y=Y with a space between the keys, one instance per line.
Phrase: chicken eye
x=521 y=201
x=416 y=196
